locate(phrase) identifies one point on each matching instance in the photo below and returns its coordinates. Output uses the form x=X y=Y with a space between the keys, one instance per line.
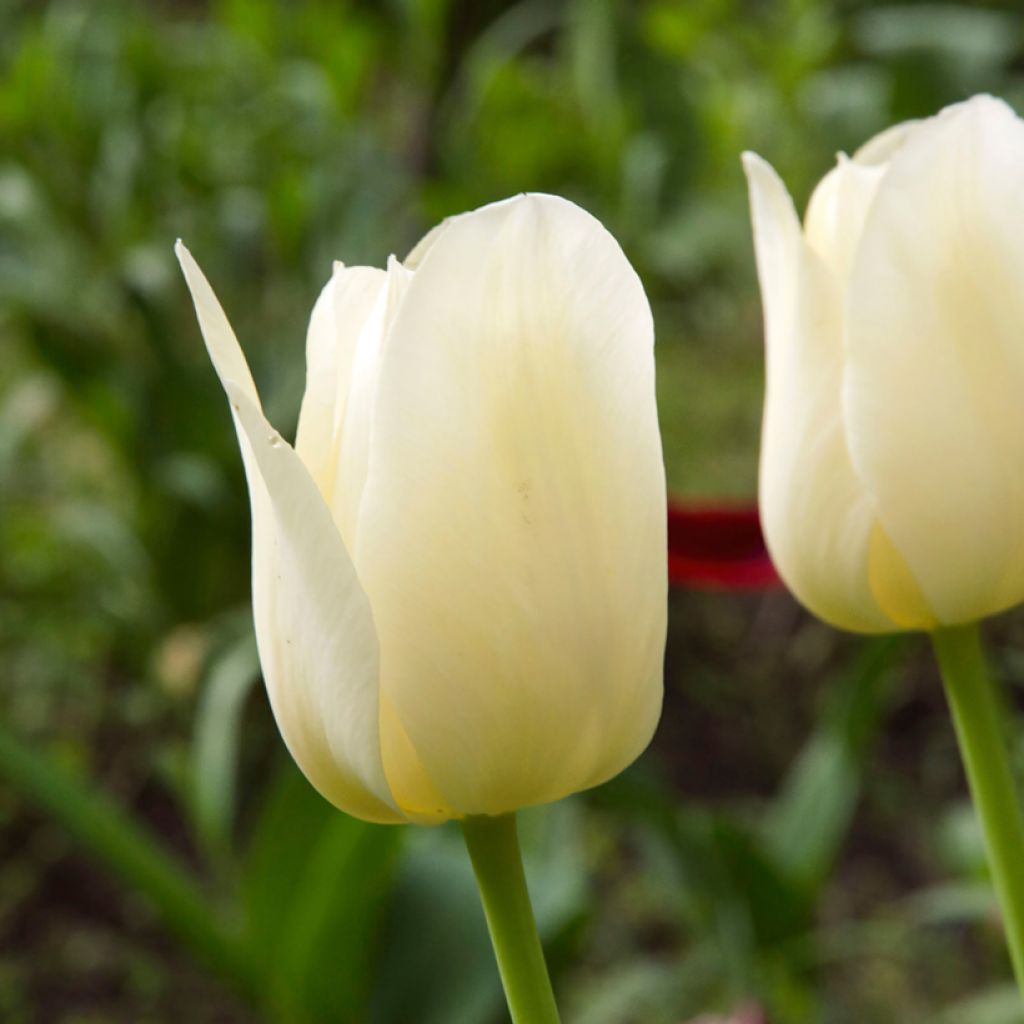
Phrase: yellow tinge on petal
x=893 y=585
x=411 y=785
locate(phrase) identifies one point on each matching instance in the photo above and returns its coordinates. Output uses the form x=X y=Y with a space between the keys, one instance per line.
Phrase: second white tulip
x=892 y=464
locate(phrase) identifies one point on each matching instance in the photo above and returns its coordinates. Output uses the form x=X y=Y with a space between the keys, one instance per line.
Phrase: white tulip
x=892 y=460
x=459 y=571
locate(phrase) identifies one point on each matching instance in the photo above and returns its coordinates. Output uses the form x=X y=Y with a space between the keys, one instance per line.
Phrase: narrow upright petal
x=879 y=149
x=511 y=535
x=935 y=374
x=221 y=343
x=354 y=426
x=340 y=317
x=314 y=628
x=837 y=211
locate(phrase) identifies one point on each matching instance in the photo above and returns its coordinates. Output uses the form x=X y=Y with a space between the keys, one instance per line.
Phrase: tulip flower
x=892 y=455
x=459 y=572
x=892 y=461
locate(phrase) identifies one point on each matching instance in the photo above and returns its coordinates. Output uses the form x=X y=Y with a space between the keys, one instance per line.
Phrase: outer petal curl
x=317 y=643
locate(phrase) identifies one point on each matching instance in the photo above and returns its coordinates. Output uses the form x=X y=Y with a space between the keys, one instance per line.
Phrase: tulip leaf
x=437 y=965
x=216 y=740
x=313 y=887
x=776 y=906
x=808 y=820
x=331 y=933
x=290 y=821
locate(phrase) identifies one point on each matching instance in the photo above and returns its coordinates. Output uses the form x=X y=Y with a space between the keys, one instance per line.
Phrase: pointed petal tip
x=752 y=161
x=759 y=170
x=767 y=189
x=190 y=268
x=181 y=251
x=225 y=353
x=769 y=198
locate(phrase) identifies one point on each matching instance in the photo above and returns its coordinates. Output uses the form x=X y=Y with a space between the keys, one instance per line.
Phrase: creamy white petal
x=935 y=375
x=880 y=148
x=354 y=427
x=314 y=628
x=315 y=631
x=221 y=343
x=422 y=247
x=818 y=519
x=339 y=318
x=837 y=211
x=512 y=531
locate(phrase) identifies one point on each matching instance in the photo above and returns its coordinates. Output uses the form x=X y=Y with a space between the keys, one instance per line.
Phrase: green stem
x=978 y=717
x=494 y=849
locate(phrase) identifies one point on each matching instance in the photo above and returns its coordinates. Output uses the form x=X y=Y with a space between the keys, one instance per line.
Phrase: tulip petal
x=419 y=251
x=879 y=149
x=512 y=533
x=935 y=360
x=339 y=318
x=221 y=343
x=817 y=517
x=314 y=629
x=837 y=211
x=354 y=448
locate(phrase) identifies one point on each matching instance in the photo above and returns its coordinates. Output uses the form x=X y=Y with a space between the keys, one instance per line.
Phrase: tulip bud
x=892 y=455
x=459 y=575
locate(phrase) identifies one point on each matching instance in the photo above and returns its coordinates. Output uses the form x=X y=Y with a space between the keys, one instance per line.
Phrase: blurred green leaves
x=315 y=926
x=276 y=138
x=808 y=822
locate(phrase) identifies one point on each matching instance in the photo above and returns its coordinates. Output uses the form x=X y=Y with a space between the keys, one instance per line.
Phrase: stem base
x=494 y=850
x=978 y=718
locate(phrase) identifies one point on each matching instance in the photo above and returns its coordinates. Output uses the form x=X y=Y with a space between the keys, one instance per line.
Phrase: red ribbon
x=718 y=546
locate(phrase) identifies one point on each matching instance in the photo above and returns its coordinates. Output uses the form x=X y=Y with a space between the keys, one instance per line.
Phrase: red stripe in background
x=718 y=546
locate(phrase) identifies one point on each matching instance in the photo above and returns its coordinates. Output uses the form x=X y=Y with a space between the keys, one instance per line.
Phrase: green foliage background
x=796 y=837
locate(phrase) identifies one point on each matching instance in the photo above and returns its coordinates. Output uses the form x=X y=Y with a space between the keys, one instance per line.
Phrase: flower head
x=892 y=460
x=459 y=571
